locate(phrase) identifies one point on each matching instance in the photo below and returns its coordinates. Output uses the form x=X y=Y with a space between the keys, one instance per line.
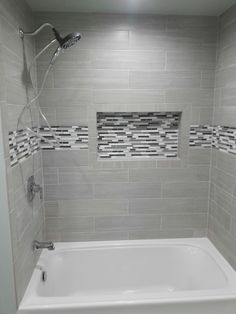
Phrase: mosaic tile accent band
x=201 y=136
x=218 y=137
x=137 y=134
x=70 y=137
x=224 y=139
x=22 y=144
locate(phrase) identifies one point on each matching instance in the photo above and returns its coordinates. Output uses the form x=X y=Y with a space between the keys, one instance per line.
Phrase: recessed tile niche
x=137 y=134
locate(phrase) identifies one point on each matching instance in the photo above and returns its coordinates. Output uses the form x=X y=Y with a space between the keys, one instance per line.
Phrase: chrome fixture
x=43 y=245
x=33 y=188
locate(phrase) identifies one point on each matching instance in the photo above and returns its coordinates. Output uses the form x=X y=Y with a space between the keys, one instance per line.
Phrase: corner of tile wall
x=26 y=219
x=222 y=209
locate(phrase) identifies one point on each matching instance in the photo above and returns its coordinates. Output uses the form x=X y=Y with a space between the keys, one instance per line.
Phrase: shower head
x=64 y=43
x=67 y=41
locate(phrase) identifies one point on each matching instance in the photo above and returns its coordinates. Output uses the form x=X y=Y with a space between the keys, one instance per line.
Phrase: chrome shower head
x=67 y=41
x=64 y=42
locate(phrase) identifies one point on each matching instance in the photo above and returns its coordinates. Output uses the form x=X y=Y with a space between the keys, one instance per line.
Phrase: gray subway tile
x=220 y=215
x=196 y=97
x=167 y=79
x=129 y=59
x=183 y=22
x=127 y=223
x=70 y=224
x=191 y=59
x=63 y=158
x=192 y=173
x=223 y=180
x=199 y=156
x=226 y=162
x=185 y=220
x=222 y=198
x=144 y=40
x=65 y=96
x=168 y=206
x=225 y=116
x=79 y=176
x=76 y=115
x=161 y=234
x=127 y=190
x=110 y=40
x=185 y=189
x=86 y=207
x=90 y=78
x=67 y=191
x=133 y=96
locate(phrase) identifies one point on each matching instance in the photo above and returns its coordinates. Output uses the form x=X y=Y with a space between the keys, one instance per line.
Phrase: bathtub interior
x=130 y=271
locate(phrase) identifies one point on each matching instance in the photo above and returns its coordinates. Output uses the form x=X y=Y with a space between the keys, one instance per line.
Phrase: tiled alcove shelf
x=137 y=135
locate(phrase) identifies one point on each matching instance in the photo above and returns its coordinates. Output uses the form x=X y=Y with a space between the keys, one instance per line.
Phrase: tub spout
x=43 y=245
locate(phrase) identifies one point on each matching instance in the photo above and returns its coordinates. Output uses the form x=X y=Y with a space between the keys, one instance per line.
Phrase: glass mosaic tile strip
x=22 y=144
x=201 y=136
x=142 y=135
x=224 y=139
x=70 y=137
x=137 y=134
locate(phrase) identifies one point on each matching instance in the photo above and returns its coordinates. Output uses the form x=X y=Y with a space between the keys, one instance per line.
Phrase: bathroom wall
x=26 y=218
x=7 y=287
x=128 y=63
x=222 y=219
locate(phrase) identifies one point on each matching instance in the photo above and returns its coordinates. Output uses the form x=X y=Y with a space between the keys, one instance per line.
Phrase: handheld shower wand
x=64 y=43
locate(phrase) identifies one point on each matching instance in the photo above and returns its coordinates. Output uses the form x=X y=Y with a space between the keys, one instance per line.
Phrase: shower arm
x=38 y=30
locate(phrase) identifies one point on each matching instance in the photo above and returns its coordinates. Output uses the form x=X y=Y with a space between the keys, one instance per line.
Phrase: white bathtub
x=180 y=276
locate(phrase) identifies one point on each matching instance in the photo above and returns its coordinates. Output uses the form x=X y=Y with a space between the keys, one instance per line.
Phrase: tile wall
x=26 y=218
x=128 y=64
x=122 y=64
x=222 y=212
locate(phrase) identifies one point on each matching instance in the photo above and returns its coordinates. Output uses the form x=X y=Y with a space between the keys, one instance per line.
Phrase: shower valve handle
x=33 y=188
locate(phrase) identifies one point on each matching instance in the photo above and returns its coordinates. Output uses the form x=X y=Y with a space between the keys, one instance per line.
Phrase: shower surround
x=128 y=64
x=123 y=64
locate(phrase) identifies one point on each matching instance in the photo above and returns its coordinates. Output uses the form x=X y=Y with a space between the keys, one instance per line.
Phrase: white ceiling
x=185 y=7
